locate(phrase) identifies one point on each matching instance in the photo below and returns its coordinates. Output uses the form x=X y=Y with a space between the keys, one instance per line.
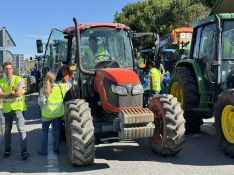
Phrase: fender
x=195 y=66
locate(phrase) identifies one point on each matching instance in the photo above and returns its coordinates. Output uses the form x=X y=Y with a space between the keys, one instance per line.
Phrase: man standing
x=140 y=59
x=12 y=92
x=154 y=79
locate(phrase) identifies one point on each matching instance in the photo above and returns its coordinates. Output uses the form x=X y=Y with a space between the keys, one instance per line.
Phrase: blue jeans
x=56 y=134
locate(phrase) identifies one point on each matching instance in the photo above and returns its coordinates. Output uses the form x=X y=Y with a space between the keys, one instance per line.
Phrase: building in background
x=18 y=62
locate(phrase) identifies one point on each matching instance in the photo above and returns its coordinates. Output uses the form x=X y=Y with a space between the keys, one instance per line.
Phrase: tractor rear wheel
x=183 y=86
x=224 y=121
x=169 y=125
x=79 y=132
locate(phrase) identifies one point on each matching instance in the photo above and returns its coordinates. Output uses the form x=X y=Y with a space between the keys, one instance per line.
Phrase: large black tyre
x=183 y=85
x=79 y=132
x=62 y=131
x=223 y=113
x=169 y=123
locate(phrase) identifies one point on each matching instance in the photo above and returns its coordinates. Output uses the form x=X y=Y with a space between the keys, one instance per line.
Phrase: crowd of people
x=51 y=104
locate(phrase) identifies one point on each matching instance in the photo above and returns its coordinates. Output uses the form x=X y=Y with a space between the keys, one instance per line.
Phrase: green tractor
x=204 y=82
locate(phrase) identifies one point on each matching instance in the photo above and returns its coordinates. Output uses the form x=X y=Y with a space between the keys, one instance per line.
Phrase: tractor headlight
x=120 y=90
x=137 y=89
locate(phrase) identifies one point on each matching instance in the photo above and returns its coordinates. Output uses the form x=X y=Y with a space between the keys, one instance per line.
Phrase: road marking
x=52 y=158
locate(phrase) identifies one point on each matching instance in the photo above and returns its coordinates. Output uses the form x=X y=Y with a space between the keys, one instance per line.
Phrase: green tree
x=161 y=16
x=208 y=3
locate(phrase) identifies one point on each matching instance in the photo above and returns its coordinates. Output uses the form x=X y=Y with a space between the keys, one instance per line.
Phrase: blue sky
x=28 y=20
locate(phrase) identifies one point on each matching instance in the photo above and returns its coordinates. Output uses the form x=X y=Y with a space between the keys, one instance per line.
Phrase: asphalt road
x=200 y=155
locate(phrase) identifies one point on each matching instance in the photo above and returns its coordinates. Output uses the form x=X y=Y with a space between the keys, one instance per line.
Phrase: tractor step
x=137 y=132
x=136 y=123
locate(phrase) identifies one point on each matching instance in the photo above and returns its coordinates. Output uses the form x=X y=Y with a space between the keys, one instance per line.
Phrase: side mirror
x=39 y=46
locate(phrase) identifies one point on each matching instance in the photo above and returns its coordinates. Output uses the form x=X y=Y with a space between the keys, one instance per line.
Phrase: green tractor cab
x=204 y=83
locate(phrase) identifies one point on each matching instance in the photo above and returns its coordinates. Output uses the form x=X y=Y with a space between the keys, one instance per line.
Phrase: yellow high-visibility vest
x=156 y=80
x=16 y=103
x=54 y=106
x=100 y=52
x=140 y=58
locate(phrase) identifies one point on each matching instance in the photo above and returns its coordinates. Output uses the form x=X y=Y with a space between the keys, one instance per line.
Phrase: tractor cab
x=108 y=44
x=102 y=42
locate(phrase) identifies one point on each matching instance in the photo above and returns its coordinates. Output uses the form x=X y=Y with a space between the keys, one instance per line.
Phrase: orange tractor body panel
x=119 y=76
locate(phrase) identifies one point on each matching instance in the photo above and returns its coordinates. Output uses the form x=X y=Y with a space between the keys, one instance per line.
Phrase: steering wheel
x=103 y=57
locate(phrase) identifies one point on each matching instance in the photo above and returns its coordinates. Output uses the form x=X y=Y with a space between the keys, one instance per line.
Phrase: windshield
x=56 y=50
x=228 y=40
x=102 y=44
x=227 y=66
x=169 y=55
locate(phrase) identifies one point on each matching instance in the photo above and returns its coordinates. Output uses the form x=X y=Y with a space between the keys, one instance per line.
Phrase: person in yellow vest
x=140 y=59
x=154 y=79
x=141 y=66
x=51 y=103
x=12 y=93
x=95 y=52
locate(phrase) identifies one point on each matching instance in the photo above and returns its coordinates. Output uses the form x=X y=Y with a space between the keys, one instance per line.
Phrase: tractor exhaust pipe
x=78 y=55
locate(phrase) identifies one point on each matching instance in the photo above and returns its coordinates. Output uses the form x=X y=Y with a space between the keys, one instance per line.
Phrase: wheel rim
x=177 y=92
x=228 y=123
x=155 y=106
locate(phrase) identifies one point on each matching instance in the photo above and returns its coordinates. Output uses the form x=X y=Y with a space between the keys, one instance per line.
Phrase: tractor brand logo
x=129 y=85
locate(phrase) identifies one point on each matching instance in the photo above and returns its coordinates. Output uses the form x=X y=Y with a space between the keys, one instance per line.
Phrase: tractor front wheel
x=169 y=124
x=79 y=132
x=224 y=121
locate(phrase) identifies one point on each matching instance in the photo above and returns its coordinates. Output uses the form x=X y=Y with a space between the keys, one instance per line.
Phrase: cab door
x=56 y=51
x=204 y=50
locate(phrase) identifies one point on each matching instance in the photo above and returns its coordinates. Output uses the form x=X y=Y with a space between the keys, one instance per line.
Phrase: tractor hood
x=118 y=75
x=222 y=6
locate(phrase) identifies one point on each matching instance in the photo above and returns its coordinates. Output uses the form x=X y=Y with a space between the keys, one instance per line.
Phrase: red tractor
x=106 y=94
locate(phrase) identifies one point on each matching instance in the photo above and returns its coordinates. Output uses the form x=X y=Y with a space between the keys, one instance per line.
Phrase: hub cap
x=227 y=122
x=177 y=92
